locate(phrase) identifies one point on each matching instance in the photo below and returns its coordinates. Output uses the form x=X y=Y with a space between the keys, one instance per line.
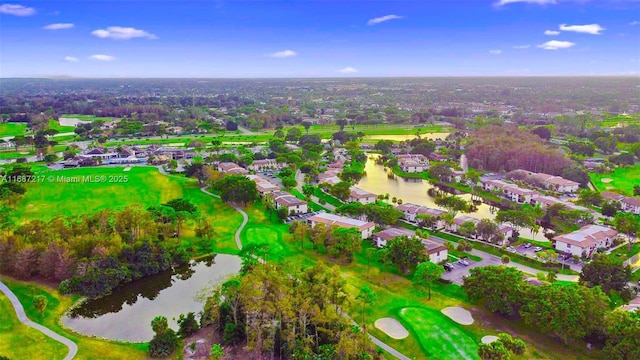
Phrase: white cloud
x=495 y=52
x=122 y=33
x=522 y=46
x=348 y=70
x=555 y=45
x=101 y=57
x=551 y=32
x=634 y=23
x=59 y=26
x=382 y=19
x=593 y=29
x=17 y=10
x=71 y=59
x=540 y=2
x=284 y=54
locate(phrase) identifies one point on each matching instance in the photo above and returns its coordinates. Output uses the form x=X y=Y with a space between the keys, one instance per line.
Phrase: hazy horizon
x=319 y=39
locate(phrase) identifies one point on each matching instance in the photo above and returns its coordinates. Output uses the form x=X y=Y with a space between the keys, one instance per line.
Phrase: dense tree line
x=565 y=311
x=506 y=148
x=283 y=311
x=92 y=254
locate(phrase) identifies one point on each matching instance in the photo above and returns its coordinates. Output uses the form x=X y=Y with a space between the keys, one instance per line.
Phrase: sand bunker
x=392 y=327
x=459 y=315
x=489 y=339
x=606 y=180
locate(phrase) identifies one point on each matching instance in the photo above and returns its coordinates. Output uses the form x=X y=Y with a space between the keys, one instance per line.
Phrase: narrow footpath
x=22 y=316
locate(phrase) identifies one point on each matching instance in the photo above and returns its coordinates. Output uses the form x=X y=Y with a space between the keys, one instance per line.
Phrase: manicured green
x=15 y=155
x=55 y=125
x=439 y=336
x=88 y=348
x=19 y=341
x=12 y=129
x=623 y=179
x=143 y=185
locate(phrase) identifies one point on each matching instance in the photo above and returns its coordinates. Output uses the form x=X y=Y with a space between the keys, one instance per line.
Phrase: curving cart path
x=22 y=316
x=395 y=353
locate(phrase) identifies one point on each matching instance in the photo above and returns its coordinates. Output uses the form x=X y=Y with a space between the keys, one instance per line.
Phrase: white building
x=586 y=241
x=631 y=205
x=410 y=166
x=283 y=199
x=411 y=211
x=365 y=228
x=361 y=196
x=263 y=185
x=381 y=238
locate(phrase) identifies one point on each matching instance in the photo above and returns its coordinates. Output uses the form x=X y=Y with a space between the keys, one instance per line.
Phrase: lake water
x=126 y=314
x=430 y=136
x=380 y=181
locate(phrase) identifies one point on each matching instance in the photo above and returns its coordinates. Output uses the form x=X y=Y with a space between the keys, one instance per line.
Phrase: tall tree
x=629 y=224
x=607 y=273
x=426 y=274
x=406 y=252
x=500 y=287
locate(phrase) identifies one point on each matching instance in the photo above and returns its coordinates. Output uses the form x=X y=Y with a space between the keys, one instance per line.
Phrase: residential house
x=586 y=241
x=631 y=205
x=608 y=195
x=507 y=231
x=437 y=252
x=361 y=196
x=411 y=211
x=283 y=199
x=231 y=168
x=263 y=185
x=556 y=183
x=510 y=191
x=365 y=228
x=459 y=221
x=381 y=237
x=329 y=177
x=410 y=166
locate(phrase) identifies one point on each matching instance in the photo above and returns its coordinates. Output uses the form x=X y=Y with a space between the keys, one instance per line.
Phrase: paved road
x=457 y=275
x=246 y=131
x=244 y=216
x=73 y=348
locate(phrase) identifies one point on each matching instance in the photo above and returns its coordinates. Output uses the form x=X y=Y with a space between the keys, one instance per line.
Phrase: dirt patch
x=392 y=327
x=606 y=180
x=460 y=315
x=198 y=346
x=489 y=339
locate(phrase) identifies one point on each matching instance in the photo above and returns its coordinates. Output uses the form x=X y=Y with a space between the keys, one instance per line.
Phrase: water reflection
x=127 y=313
x=380 y=180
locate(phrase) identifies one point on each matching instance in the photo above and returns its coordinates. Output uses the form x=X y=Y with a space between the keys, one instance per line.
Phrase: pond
x=126 y=314
x=380 y=181
x=430 y=136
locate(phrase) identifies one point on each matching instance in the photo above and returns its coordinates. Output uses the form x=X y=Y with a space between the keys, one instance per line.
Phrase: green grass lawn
x=19 y=341
x=15 y=155
x=312 y=205
x=327 y=198
x=88 y=348
x=12 y=129
x=144 y=186
x=623 y=179
x=55 y=125
x=439 y=336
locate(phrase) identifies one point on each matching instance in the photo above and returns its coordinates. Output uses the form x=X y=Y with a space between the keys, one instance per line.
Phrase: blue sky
x=307 y=38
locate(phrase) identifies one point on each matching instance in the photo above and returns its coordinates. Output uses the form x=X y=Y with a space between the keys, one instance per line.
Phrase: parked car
x=537 y=248
x=527 y=245
x=448 y=266
x=464 y=262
